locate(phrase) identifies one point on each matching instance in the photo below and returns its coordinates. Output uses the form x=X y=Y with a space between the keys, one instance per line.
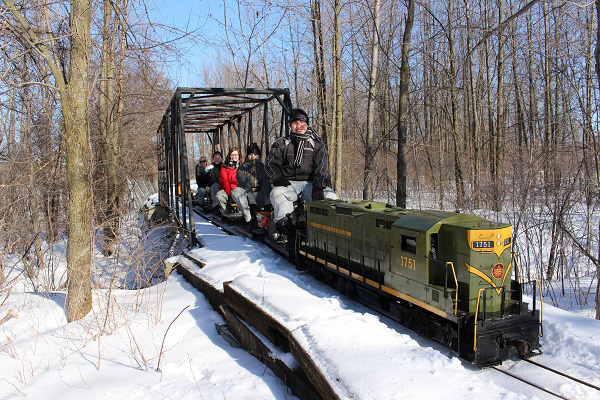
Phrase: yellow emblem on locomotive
x=490 y=240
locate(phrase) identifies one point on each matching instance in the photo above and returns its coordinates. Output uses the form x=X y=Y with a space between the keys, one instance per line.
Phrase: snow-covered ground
x=115 y=351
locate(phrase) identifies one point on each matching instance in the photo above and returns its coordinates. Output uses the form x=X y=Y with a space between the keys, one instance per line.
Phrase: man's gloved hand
x=281 y=181
x=318 y=194
x=268 y=208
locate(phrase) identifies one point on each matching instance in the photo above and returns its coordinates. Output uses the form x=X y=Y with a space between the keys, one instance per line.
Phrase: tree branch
x=27 y=33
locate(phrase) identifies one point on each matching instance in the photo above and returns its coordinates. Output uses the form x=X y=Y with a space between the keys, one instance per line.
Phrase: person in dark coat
x=214 y=176
x=202 y=179
x=298 y=167
x=253 y=185
x=228 y=177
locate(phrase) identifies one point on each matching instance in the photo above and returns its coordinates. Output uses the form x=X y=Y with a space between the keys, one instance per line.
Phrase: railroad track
x=226 y=228
x=236 y=231
x=549 y=369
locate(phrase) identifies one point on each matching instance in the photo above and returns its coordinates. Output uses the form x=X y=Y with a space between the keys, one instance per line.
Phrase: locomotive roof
x=415 y=220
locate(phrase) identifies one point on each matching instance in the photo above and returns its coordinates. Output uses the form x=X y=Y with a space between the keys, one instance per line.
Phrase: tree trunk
x=458 y=175
x=337 y=95
x=108 y=111
x=75 y=112
x=598 y=257
x=319 y=55
x=499 y=137
x=597 y=57
x=370 y=152
x=533 y=113
x=597 y=52
x=403 y=107
x=490 y=114
x=547 y=109
x=520 y=114
x=474 y=114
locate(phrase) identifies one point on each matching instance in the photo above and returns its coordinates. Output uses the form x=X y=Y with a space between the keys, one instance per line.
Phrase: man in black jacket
x=253 y=187
x=298 y=167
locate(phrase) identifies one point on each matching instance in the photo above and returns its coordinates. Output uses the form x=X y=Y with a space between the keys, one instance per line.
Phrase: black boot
x=281 y=230
x=252 y=224
x=253 y=209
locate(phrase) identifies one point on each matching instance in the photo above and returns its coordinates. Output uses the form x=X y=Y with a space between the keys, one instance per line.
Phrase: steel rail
x=530 y=383
x=562 y=374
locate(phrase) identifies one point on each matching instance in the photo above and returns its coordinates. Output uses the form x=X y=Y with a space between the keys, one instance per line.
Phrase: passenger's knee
x=330 y=194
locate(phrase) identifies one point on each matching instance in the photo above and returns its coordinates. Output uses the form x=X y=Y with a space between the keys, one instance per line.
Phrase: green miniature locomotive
x=448 y=276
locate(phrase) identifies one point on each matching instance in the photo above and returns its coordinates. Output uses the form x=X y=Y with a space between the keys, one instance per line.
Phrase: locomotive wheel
x=315 y=270
x=351 y=289
x=301 y=264
x=384 y=303
x=330 y=278
x=341 y=285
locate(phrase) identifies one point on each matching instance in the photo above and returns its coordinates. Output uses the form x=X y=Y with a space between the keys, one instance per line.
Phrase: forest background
x=489 y=107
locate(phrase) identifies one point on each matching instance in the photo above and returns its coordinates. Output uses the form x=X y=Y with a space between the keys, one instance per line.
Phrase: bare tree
x=458 y=174
x=319 y=57
x=370 y=150
x=338 y=131
x=403 y=106
x=73 y=86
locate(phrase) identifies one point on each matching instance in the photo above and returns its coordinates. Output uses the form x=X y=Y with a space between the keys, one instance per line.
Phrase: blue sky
x=189 y=15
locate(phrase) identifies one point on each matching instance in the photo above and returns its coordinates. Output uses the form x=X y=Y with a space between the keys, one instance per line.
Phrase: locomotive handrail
x=541 y=310
x=456 y=291
x=376 y=260
x=536 y=284
x=476 y=316
x=385 y=255
x=477 y=312
x=517 y=270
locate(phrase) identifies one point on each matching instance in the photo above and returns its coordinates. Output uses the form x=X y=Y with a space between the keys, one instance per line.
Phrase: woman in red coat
x=228 y=177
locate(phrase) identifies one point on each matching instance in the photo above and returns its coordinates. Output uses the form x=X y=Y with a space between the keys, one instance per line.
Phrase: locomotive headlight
x=499 y=236
x=499 y=243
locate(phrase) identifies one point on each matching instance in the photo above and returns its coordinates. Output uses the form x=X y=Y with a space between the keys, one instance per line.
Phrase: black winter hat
x=298 y=114
x=254 y=148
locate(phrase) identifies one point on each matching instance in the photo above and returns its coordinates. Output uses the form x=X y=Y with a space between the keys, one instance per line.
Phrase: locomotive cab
x=480 y=254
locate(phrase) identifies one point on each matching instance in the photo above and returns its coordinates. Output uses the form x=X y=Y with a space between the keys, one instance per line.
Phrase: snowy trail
x=368 y=356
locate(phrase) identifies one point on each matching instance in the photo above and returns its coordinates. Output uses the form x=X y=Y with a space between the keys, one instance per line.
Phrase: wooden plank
x=263 y=322
x=313 y=372
x=306 y=382
x=295 y=379
x=213 y=295
x=279 y=335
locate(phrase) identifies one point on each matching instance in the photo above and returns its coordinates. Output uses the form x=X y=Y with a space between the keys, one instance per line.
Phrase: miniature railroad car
x=448 y=276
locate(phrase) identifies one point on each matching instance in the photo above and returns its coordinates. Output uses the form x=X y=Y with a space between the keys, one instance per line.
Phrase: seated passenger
x=228 y=178
x=214 y=177
x=202 y=179
x=253 y=185
x=298 y=167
